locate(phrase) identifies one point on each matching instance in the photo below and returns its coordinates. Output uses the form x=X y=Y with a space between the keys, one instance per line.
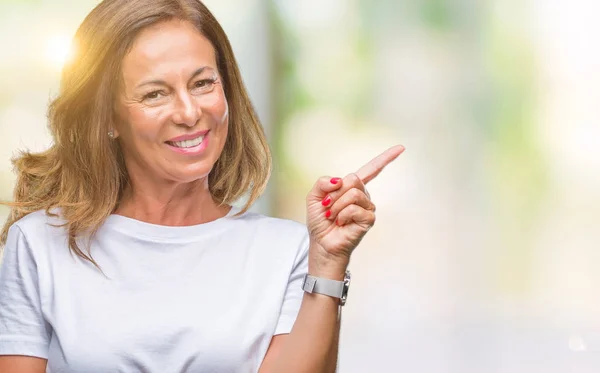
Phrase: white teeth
x=188 y=143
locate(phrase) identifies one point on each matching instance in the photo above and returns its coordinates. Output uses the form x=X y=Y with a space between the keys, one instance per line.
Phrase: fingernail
x=335 y=180
x=326 y=201
x=327 y=213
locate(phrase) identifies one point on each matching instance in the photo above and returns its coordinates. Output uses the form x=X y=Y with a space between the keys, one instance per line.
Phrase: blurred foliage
x=436 y=14
x=517 y=176
x=288 y=95
x=350 y=72
x=514 y=179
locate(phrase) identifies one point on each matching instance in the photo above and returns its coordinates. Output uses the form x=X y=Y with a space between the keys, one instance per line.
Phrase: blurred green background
x=485 y=253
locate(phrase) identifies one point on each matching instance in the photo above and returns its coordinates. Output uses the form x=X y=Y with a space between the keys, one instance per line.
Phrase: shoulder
x=39 y=222
x=275 y=235
x=36 y=231
x=273 y=226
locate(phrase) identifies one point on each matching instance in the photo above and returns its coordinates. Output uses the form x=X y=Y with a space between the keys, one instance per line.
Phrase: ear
x=113 y=128
x=113 y=133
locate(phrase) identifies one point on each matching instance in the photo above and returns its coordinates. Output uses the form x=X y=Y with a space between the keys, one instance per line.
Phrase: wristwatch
x=333 y=288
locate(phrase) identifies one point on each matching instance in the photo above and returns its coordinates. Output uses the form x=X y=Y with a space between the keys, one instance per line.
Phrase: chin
x=190 y=173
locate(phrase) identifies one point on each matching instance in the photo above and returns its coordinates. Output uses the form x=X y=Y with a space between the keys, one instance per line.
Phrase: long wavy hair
x=83 y=173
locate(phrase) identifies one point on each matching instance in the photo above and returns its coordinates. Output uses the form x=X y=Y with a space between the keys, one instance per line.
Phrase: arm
x=339 y=214
x=23 y=332
x=22 y=364
x=312 y=345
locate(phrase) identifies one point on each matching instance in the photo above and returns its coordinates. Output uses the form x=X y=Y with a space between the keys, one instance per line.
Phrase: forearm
x=334 y=352
x=312 y=345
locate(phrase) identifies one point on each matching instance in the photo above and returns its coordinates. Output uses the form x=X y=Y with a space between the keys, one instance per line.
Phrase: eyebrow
x=162 y=82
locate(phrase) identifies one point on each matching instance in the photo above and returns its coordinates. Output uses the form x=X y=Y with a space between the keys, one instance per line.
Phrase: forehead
x=171 y=46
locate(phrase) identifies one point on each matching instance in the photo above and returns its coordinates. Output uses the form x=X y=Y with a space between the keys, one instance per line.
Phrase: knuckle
x=360 y=183
x=354 y=179
x=335 y=196
x=356 y=194
x=339 y=195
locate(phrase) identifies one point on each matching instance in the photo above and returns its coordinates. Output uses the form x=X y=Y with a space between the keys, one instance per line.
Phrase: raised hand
x=339 y=214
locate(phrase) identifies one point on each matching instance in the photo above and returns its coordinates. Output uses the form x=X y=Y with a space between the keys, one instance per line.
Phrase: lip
x=194 y=150
x=189 y=136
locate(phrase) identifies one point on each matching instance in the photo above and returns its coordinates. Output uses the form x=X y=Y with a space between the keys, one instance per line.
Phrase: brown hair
x=83 y=173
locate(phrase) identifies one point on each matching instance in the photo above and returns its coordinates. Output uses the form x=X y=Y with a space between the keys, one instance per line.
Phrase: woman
x=154 y=138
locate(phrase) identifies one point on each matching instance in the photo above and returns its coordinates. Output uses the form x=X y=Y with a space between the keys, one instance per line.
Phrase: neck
x=170 y=204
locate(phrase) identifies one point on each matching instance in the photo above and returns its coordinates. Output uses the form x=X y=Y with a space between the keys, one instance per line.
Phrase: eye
x=204 y=83
x=153 y=95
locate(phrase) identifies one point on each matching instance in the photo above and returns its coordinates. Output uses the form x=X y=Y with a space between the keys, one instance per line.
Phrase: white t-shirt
x=204 y=298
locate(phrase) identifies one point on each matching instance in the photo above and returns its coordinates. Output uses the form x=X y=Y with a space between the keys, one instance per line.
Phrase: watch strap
x=325 y=286
x=332 y=288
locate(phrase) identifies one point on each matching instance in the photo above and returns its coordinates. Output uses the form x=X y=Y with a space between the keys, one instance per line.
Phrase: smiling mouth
x=187 y=143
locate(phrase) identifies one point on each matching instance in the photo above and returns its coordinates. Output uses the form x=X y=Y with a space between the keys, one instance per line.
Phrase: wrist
x=327 y=266
x=329 y=272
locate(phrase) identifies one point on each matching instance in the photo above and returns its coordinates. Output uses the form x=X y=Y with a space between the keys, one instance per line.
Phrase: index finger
x=369 y=171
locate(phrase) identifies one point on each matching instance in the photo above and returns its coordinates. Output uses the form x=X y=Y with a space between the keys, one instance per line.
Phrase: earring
x=111 y=134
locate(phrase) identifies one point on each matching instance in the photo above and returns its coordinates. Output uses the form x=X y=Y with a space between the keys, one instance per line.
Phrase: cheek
x=215 y=106
x=144 y=123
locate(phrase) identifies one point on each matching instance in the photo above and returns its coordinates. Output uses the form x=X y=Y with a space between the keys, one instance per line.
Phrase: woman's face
x=172 y=111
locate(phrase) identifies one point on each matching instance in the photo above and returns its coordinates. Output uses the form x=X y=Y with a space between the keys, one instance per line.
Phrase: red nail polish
x=327 y=213
x=335 y=180
x=326 y=201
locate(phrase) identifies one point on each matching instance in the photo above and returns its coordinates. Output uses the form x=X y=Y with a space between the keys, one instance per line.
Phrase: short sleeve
x=294 y=293
x=23 y=330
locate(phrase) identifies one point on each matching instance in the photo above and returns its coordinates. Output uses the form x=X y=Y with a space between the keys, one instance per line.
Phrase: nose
x=187 y=112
